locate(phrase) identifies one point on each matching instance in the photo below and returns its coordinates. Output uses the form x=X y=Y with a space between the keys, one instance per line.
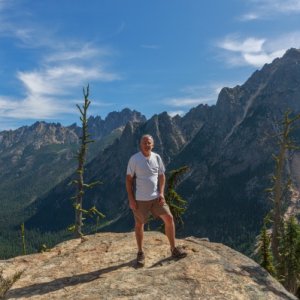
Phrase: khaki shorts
x=144 y=208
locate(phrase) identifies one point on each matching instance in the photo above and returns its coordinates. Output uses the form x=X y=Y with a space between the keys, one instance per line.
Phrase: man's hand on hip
x=132 y=204
x=161 y=199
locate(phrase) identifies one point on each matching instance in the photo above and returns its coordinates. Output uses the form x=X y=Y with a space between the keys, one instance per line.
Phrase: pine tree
x=280 y=189
x=285 y=236
x=264 y=250
x=23 y=238
x=79 y=182
x=176 y=203
x=290 y=251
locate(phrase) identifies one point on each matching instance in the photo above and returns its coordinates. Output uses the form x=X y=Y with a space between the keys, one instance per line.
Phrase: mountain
x=34 y=159
x=99 y=128
x=232 y=154
x=228 y=147
x=30 y=152
x=103 y=267
x=54 y=212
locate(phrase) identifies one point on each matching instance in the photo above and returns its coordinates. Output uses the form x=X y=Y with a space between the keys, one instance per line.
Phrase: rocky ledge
x=103 y=267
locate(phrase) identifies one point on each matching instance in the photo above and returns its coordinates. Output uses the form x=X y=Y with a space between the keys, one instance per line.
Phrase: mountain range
x=34 y=159
x=228 y=148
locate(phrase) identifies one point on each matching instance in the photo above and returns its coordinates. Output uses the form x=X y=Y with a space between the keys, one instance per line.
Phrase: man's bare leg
x=169 y=229
x=139 y=235
x=177 y=252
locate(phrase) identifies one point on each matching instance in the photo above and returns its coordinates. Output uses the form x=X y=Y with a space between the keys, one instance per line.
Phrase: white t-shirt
x=146 y=171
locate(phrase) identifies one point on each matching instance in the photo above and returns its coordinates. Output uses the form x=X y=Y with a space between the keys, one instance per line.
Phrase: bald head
x=146 y=144
x=148 y=136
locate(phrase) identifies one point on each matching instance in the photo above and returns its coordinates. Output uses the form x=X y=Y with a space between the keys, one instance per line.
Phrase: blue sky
x=152 y=56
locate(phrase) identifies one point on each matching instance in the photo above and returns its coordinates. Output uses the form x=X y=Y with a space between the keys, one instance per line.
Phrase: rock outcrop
x=103 y=267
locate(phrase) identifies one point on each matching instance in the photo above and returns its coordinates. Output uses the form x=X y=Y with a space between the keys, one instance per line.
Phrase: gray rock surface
x=103 y=267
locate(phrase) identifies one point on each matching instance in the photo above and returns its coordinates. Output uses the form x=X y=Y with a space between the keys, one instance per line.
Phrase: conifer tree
x=285 y=236
x=264 y=250
x=290 y=251
x=79 y=182
x=280 y=188
x=176 y=203
x=23 y=238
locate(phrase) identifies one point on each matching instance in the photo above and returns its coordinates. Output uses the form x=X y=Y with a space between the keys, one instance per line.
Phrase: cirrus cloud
x=256 y=52
x=268 y=9
x=61 y=66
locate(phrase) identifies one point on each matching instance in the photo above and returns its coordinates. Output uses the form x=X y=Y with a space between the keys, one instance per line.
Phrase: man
x=145 y=184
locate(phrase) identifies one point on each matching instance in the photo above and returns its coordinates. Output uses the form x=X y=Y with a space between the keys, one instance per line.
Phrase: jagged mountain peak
x=292 y=53
x=38 y=134
x=98 y=127
x=283 y=74
x=159 y=117
x=124 y=114
x=39 y=125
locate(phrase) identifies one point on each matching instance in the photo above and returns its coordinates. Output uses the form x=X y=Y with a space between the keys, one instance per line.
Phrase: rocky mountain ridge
x=34 y=159
x=110 y=167
x=42 y=133
x=228 y=148
x=99 y=128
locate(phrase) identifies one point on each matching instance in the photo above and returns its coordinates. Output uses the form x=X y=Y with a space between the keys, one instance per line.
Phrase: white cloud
x=62 y=67
x=249 y=17
x=262 y=9
x=58 y=80
x=256 y=51
x=33 y=107
x=287 y=6
x=209 y=91
x=194 y=95
x=70 y=52
x=176 y=112
x=284 y=42
x=36 y=83
x=259 y=60
x=251 y=45
x=48 y=91
x=85 y=52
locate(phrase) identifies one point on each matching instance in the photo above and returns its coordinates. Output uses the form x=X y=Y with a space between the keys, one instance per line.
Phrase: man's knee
x=139 y=225
x=168 y=219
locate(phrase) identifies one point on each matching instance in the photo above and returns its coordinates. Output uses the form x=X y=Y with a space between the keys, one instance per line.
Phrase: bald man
x=145 y=184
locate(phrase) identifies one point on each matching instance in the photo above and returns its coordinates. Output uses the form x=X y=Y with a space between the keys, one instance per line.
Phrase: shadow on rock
x=60 y=283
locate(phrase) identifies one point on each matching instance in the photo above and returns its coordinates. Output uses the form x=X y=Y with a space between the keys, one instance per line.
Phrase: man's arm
x=129 y=188
x=161 y=186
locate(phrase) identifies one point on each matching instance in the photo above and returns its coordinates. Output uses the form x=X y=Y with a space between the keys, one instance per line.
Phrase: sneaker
x=178 y=252
x=140 y=259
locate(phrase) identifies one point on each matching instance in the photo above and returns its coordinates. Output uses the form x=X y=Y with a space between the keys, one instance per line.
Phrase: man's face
x=146 y=145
